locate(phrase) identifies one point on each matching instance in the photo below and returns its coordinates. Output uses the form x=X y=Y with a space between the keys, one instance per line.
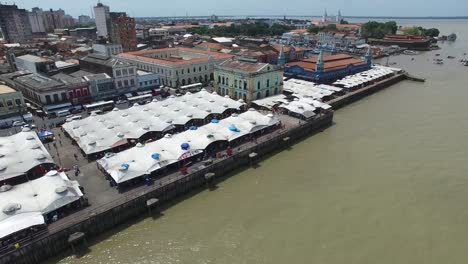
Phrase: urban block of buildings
x=176 y=66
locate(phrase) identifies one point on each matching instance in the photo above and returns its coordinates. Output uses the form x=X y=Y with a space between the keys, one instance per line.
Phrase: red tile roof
x=144 y=55
x=332 y=62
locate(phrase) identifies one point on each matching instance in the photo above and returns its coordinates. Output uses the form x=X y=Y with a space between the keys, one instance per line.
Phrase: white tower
x=101 y=14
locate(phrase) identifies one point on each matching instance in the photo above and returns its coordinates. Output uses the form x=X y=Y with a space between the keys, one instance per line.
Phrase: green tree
x=374 y=29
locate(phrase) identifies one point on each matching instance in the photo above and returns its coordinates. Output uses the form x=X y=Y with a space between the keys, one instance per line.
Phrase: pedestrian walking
x=76 y=156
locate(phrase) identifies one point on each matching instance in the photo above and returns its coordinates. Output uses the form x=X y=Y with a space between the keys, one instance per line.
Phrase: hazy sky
x=140 y=8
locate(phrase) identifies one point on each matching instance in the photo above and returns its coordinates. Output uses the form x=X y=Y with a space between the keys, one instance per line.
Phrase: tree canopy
x=246 y=29
x=374 y=29
x=420 y=31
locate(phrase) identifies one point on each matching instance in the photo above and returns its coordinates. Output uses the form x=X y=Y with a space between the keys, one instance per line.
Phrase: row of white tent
x=145 y=159
x=21 y=152
x=363 y=78
x=301 y=88
x=99 y=133
x=304 y=106
x=301 y=105
x=23 y=205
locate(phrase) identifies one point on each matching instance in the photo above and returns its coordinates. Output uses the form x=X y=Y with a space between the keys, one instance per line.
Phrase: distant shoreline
x=298 y=16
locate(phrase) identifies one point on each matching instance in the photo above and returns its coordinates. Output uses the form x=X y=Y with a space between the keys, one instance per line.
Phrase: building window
x=211 y=76
x=48 y=100
x=206 y=68
x=223 y=81
x=227 y=81
x=78 y=93
x=235 y=84
x=130 y=71
x=118 y=72
x=70 y=95
x=64 y=96
x=199 y=69
x=132 y=82
x=268 y=83
x=245 y=97
x=194 y=69
x=119 y=84
x=183 y=82
x=258 y=85
x=18 y=102
x=56 y=98
x=235 y=95
x=125 y=83
x=195 y=79
x=189 y=81
x=267 y=93
x=124 y=72
x=245 y=85
x=206 y=77
x=276 y=90
x=141 y=84
x=259 y=95
x=188 y=70
x=182 y=71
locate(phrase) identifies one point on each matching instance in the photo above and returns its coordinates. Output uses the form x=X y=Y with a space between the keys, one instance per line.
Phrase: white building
x=102 y=17
x=107 y=49
x=36 y=19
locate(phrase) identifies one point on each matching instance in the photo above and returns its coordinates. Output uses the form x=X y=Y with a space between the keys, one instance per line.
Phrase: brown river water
x=388 y=183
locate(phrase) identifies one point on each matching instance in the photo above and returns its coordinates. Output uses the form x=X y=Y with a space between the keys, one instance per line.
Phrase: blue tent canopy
x=185 y=146
x=155 y=156
x=233 y=128
x=125 y=166
x=193 y=128
x=215 y=121
x=45 y=133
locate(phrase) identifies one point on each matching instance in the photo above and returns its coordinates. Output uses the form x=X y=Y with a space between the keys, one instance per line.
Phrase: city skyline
x=417 y=8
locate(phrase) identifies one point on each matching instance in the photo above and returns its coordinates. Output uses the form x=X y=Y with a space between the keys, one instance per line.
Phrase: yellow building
x=11 y=102
x=247 y=79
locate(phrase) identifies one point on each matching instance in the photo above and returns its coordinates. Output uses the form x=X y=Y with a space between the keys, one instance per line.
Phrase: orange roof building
x=177 y=66
x=325 y=69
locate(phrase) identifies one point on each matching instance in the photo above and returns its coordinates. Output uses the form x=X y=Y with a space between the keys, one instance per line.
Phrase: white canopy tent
x=144 y=159
x=24 y=205
x=102 y=132
x=366 y=77
x=269 y=102
x=20 y=153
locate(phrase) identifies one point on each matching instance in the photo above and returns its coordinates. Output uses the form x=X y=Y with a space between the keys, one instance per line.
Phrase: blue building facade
x=322 y=75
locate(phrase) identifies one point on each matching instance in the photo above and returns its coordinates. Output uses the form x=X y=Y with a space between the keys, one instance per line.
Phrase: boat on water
x=452 y=37
x=465 y=63
x=410 y=52
x=437 y=55
x=439 y=62
x=450 y=57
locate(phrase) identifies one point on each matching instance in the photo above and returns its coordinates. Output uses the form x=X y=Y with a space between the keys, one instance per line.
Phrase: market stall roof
x=269 y=102
x=20 y=153
x=300 y=106
x=102 y=132
x=373 y=74
x=21 y=205
x=143 y=160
